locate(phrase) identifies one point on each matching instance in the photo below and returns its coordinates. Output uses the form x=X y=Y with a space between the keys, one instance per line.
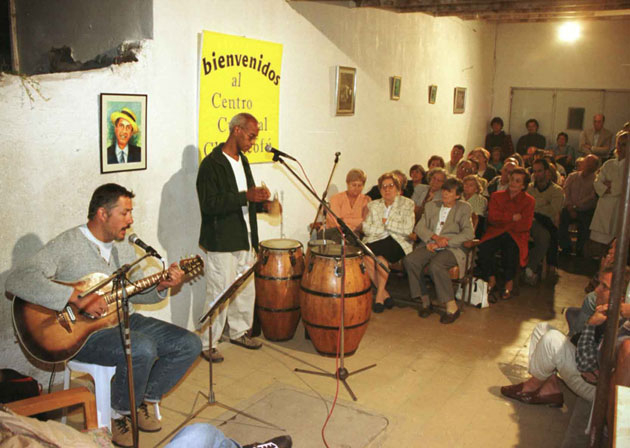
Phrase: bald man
x=598 y=140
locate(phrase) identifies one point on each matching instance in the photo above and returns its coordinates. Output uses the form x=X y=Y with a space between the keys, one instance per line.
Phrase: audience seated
x=457 y=153
x=387 y=226
x=442 y=230
x=417 y=175
x=473 y=190
x=549 y=199
x=551 y=352
x=499 y=138
x=496 y=158
x=563 y=153
x=608 y=184
x=426 y=193
x=482 y=157
x=501 y=182
x=579 y=206
x=532 y=138
x=349 y=205
x=597 y=140
x=436 y=162
x=510 y=216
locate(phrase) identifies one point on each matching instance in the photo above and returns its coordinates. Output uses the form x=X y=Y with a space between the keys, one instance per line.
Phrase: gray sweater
x=68 y=257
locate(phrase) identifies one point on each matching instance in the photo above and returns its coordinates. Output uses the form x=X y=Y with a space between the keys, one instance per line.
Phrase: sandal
x=506 y=294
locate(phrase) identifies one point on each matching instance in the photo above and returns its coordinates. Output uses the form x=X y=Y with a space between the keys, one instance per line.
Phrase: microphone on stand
x=277 y=152
x=133 y=239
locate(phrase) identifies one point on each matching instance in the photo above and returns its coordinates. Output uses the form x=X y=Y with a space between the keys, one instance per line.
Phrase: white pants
x=222 y=268
x=550 y=351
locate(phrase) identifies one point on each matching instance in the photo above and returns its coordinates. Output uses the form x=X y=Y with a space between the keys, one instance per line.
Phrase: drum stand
x=341 y=373
x=210 y=397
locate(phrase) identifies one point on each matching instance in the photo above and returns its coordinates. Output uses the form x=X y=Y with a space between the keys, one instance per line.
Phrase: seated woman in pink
x=349 y=205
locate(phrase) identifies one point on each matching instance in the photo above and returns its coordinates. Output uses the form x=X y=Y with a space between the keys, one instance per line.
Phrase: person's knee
x=144 y=350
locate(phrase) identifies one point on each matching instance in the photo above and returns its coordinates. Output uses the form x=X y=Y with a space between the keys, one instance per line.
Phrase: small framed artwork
x=459 y=100
x=346 y=91
x=432 y=94
x=395 y=88
x=123 y=132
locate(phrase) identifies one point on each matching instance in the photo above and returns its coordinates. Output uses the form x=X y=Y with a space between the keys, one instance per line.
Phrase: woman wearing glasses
x=387 y=226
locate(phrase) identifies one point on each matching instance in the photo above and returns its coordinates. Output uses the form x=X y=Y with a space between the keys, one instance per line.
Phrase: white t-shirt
x=444 y=211
x=104 y=248
x=241 y=183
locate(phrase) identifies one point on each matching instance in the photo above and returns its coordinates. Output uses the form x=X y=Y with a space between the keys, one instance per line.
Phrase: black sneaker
x=276 y=442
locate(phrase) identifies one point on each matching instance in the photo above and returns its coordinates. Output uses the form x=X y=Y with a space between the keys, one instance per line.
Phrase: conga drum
x=320 y=298
x=316 y=243
x=278 y=274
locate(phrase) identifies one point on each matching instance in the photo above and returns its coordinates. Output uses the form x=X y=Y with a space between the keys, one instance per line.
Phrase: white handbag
x=479 y=293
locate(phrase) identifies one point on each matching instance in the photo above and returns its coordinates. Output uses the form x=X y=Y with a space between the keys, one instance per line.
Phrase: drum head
x=316 y=243
x=334 y=251
x=280 y=244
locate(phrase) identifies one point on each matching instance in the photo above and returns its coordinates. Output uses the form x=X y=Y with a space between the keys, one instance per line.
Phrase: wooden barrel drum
x=320 y=294
x=278 y=274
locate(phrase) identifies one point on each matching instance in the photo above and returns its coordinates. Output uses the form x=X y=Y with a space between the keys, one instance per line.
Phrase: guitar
x=56 y=336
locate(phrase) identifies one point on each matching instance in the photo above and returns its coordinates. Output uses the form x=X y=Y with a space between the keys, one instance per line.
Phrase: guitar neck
x=135 y=287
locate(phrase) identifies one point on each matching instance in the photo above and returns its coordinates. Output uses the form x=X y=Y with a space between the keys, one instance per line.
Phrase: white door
x=591 y=101
x=531 y=103
x=616 y=109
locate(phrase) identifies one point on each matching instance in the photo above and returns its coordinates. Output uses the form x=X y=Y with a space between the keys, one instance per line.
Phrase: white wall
x=49 y=161
x=531 y=55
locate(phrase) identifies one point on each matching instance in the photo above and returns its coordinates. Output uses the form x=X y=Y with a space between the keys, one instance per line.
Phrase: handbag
x=479 y=293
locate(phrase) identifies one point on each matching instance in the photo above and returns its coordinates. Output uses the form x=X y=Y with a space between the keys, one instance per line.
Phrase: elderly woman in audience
x=499 y=138
x=405 y=189
x=436 y=162
x=510 y=216
x=387 y=227
x=501 y=182
x=445 y=226
x=496 y=160
x=417 y=175
x=608 y=184
x=563 y=153
x=473 y=190
x=426 y=193
x=551 y=353
x=482 y=157
x=349 y=205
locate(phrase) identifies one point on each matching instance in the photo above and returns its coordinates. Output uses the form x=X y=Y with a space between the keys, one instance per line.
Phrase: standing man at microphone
x=161 y=352
x=229 y=201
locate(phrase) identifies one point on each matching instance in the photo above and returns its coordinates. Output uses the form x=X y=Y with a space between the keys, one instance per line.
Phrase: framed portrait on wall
x=459 y=100
x=123 y=132
x=346 y=90
x=395 y=88
x=432 y=93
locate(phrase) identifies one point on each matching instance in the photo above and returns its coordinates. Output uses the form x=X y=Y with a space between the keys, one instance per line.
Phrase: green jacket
x=223 y=227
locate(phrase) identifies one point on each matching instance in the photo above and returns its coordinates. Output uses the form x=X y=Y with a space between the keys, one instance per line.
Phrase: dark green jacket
x=223 y=227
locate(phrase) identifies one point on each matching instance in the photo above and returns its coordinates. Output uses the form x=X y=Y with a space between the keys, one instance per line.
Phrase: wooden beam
x=15 y=56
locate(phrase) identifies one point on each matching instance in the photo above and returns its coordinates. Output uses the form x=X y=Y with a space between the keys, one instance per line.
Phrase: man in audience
x=579 y=206
x=443 y=229
x=549 y=199
x=457 y=153
x=597 y=140
x=482 y=157
x=501 y=182
x=424 y=194
x=532 y=138
x=498 y=137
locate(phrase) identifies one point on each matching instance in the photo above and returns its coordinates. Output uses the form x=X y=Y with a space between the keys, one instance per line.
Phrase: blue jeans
x=161 y=355
x=202 y=435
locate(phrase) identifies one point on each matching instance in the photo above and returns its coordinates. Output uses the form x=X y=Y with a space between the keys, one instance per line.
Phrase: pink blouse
x=352 y=215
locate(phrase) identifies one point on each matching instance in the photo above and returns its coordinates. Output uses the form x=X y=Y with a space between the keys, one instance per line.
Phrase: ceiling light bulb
x=569 y=32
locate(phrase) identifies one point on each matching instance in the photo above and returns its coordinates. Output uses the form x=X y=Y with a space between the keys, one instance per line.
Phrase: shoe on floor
x=276 y=442
x=378 y=307
x=530 y=277
x=247 y=342
x=121 y=432
x=389 y=303
x=212 y=354
x=147 y=421
x=425 y=311
x=449 y=318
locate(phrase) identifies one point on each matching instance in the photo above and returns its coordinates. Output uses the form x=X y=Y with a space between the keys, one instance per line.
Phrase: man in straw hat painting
x=125 y=127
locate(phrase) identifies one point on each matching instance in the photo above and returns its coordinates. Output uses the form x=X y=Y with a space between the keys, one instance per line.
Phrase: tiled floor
x=438 y=385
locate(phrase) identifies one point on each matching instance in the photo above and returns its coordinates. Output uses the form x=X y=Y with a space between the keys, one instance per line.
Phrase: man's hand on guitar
x=175 y=277
x=93 y=304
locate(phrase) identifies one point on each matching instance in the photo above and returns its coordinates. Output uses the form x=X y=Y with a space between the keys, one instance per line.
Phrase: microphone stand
x=341 y=373
x=319 y=209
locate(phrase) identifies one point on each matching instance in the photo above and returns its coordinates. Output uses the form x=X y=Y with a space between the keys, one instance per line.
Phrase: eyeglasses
x=387 y=186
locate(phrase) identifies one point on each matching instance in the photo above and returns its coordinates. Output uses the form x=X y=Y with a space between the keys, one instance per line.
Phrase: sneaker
x=276 y=442
x=247 y=342
x=121 y=432
x=530 y=277
x=214 y=355
x=147 y=422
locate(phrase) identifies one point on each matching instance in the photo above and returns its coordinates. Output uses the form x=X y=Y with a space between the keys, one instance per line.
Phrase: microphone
x=277 y=152
x=133 y=239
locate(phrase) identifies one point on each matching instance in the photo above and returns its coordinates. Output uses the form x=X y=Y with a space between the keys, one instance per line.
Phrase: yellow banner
x=238 y=75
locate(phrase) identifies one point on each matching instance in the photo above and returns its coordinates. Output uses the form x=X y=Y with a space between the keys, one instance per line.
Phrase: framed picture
x=432 y=93
x=395 y=88
x=459 y=100
x=123 y=132
x=346 y=91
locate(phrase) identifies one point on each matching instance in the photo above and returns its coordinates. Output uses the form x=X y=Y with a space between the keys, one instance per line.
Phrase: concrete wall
x=531 y=55
x=49 y=160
